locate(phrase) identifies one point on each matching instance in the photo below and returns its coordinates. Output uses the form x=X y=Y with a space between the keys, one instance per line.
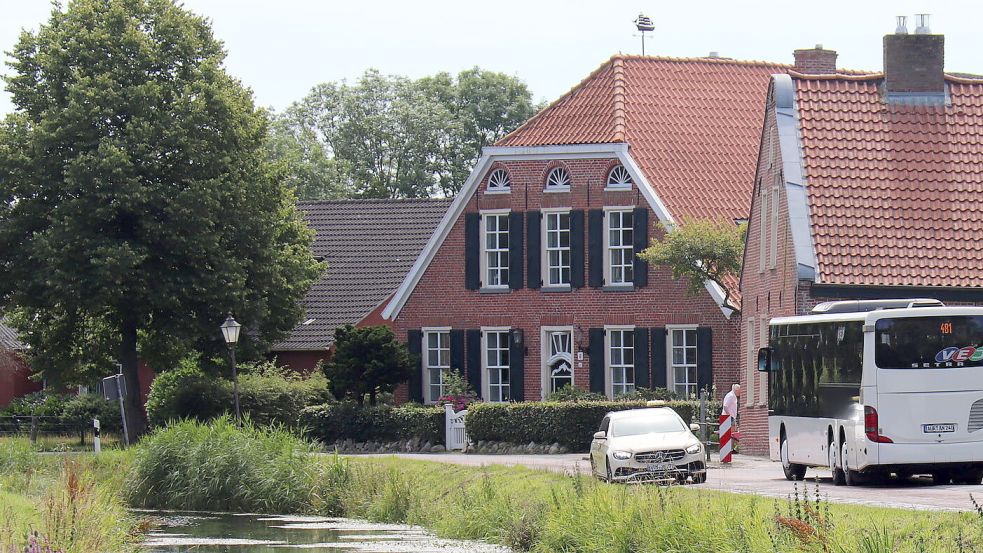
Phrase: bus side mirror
x=764 y=360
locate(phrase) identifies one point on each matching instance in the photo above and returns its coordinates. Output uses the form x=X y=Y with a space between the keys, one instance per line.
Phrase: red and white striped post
x=726 y=448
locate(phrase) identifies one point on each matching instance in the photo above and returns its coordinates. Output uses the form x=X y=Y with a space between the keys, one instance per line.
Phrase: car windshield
x=635 y=426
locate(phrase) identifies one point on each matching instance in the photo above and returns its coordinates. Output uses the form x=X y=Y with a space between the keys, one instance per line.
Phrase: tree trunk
x=136 y=426
x=372 y=397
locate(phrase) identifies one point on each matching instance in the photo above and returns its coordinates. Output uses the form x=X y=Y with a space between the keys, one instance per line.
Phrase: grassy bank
x=220 y=466
x=74 y=504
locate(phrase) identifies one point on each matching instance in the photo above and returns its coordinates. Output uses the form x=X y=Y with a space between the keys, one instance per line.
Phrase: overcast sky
x=280 y=48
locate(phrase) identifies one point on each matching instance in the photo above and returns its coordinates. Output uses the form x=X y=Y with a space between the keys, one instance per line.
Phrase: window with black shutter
x=534 y=277
x=595 y=248
x=472 y=251
x=640 y=236
x=577 y=249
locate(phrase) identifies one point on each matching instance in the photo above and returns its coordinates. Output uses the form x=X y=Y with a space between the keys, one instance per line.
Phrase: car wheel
x=593 y=468
x=700 y=478
x=838 y=477
x=793 y=471
x=607 y=466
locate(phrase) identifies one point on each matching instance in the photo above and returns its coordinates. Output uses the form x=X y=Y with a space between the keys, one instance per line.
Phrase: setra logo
x=959 y=355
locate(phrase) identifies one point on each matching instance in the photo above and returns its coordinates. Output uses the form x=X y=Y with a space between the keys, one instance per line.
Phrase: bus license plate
x=938 y=428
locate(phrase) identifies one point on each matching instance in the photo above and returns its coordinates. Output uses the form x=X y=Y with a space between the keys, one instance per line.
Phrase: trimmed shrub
x=186 y=392
x=570 y=393
x=569 y=424
x=83 y=408
x=347 y=421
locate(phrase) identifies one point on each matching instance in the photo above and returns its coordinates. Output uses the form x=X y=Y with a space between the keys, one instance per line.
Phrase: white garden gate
x=456 y=435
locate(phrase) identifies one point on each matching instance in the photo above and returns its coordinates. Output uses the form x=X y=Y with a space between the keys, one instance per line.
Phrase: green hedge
x=340 y=421
x=569 y=424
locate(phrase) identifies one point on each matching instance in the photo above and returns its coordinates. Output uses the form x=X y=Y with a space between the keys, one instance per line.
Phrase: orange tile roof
x=692 y=125
x=893 y=189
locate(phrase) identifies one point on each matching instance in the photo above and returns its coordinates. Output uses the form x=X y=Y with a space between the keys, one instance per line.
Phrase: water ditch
x=195 y=532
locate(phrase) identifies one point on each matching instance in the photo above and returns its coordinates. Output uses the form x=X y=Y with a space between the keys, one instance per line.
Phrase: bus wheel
x=793 y=471
x=838 y=477
x=850 y=476
x=972 y=477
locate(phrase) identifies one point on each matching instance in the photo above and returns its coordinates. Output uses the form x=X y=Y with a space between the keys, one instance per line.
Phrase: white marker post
x=95 y=433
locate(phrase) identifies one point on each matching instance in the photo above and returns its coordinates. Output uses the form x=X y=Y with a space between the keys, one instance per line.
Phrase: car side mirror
x=694 y=427
x=764 y=360
x=600 y=435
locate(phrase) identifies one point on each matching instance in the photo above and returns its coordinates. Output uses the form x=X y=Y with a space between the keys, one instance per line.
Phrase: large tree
x=138 y=206
x=392 y=137
x=367 y=361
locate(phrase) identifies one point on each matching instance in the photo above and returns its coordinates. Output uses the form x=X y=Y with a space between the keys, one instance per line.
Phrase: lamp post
x=230 y=330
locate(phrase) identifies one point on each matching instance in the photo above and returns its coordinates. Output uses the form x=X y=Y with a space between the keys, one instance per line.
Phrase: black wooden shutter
x=534 y=277
x=658 y=357
x=515 y=250
x=517 y=388
x=577 y=249
x=596 y=349
x=642 y=357
x=457 y=350
x=414 y=343
x=640 y=241
x=704 y=358
x=595 y=248
x=472 y=249
x=474 y=359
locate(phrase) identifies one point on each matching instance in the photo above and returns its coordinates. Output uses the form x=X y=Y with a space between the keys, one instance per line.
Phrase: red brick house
x=15 y=373
x=867 y=186
x=369 y=246
x=531 y=282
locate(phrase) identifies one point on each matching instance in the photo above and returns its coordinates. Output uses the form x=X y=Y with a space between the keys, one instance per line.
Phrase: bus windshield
x=929 y=342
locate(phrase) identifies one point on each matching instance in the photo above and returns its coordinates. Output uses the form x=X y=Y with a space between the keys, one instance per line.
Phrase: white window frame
x=608 y=281
x=486 y=369
x=763 y=337
x=483 y=234
x=425 y=348
x=502 y=190
x=547 y=187
x=623 y=186
x=773 y=252
x=545 y=249
x=762 y=226
x=608 y=366
x=752 y=361
x=671 y=367
x=544 y=340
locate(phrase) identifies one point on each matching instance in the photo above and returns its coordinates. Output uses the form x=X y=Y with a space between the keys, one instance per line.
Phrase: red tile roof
x=894 y=190
x=692 y=125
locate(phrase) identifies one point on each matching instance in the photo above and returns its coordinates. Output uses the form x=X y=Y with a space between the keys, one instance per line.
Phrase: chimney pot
x=902 y=28
x=921 y=24
x=815 y=61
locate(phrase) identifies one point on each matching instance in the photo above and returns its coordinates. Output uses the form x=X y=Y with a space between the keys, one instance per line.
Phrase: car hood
x=653 y=442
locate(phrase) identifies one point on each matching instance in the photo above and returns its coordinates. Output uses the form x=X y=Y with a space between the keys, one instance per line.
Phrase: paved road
x=759 y=476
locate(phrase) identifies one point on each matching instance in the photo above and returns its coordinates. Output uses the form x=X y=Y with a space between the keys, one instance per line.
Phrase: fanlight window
x=499 y=180
x=619 y=177
x=558 y=179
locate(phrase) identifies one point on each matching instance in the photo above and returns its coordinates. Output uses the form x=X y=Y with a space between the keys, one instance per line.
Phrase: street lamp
x=230 y=330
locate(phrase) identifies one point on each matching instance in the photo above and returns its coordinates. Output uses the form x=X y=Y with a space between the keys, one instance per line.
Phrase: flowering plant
x=457 y=391
x=37 y=544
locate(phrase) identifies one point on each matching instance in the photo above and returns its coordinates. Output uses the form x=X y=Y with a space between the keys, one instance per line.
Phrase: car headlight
x=621 y=455
x=695 y=448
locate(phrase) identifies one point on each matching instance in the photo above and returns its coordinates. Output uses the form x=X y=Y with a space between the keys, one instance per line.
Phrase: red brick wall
x=440 y=298
x=767 y=293
x=303 y=362
x=15 y=377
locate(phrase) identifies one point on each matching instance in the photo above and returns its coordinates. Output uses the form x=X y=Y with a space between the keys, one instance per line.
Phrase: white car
x=642 y=445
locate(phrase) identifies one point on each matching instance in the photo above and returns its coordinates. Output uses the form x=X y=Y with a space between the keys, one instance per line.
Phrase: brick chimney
x=914 y=64
x=815 y=61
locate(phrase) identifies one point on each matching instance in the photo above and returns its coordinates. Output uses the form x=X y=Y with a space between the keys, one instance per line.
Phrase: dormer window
x=499 y=181
x=619 y=178
x=558 y=180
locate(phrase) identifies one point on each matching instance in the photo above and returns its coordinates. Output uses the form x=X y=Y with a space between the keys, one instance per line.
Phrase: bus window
x=929 y=342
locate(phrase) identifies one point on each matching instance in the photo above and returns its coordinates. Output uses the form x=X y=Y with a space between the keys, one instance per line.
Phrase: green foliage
x=570 y=424
x=41 y=404
x=701 y=250
x=267 y=394
x=85 y=407
x=649 y=394
x=347 y=421
x=138 y=206
x=391 y=137
x=367 y=361
x=223 y=466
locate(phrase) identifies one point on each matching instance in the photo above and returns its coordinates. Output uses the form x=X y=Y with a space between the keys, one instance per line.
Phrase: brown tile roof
x=9 y=339
x=693 y=126
x=369 y=246
x=893 y=189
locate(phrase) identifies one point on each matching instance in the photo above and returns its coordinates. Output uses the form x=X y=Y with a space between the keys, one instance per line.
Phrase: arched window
x=558 y=179
x=619 y=178
x=499 y=181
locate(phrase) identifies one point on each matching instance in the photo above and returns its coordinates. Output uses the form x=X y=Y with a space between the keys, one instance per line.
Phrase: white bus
x=875 y=388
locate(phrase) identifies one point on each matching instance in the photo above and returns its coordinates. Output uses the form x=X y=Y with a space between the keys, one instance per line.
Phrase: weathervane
x=644 y=24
